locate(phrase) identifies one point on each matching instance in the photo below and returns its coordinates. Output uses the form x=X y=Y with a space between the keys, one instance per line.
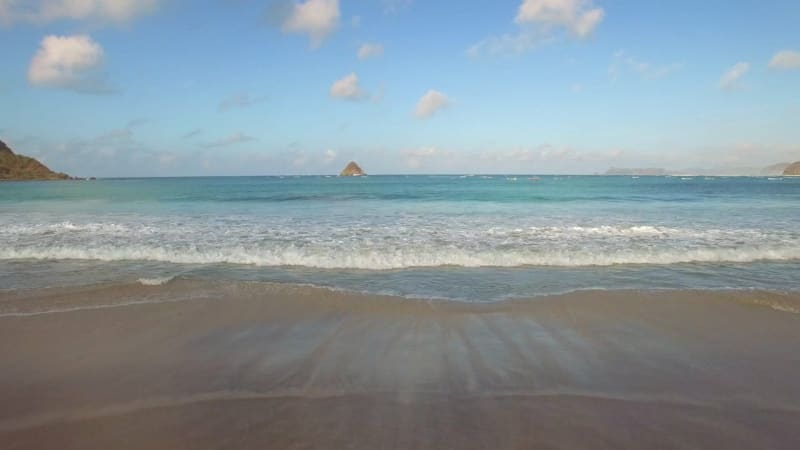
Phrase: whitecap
x=157 y=281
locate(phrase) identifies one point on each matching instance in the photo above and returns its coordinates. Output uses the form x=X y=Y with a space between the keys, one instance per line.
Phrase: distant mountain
x=793 y=169
x=19 y=167
x=635 y=171
x=775 y=169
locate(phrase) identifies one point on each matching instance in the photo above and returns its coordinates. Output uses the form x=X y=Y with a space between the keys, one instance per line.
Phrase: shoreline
x=244 y=364
x=178 y=288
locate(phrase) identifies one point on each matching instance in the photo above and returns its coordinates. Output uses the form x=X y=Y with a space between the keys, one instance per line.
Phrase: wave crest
x=398 y=258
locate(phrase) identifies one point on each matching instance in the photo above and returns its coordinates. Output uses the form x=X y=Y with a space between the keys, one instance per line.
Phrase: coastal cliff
x=793 y=169
x=775 y=169
x=19 y=167
x=352 y=170
x=772 y=170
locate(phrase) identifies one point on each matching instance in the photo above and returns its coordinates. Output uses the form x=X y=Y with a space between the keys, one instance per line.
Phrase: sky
x=113 y=88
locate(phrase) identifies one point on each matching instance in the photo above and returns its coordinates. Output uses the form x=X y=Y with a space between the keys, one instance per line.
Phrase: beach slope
x=192 y=364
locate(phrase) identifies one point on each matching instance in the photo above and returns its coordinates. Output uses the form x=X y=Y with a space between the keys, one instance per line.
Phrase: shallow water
x=462 y=237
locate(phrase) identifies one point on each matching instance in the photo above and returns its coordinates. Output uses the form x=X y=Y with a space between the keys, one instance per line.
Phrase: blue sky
x=247 y=87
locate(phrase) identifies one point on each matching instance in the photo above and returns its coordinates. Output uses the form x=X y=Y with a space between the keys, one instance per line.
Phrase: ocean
x=469 y=237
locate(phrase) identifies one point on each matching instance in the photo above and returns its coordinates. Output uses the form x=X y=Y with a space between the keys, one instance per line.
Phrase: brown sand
x=195 y=365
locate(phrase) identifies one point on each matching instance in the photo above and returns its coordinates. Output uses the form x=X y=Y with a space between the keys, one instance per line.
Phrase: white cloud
x=622 y=61
x=509 y=44
x=368 y=50
x=43 y=11
x=235 y=138
x=785 y=59
x=430 y=103
x=730 y=80
x=316 y=18
x=577 y=16
x=540 y=22
x=588 y=21
x=68 y=62
x=330 y=156
x=348 y=88
x=577 y=88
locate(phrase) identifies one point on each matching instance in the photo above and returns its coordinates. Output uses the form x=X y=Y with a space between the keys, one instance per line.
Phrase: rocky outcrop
x=793 y=169
x=352 y=170
x=19 y=167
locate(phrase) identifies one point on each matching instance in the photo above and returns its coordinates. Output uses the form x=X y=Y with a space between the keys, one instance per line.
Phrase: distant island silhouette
x=793 y=169
x=352 y=170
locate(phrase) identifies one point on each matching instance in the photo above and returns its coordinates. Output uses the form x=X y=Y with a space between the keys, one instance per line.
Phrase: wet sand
x=198 y=365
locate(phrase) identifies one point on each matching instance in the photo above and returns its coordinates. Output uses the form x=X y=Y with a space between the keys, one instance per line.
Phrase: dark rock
x=352 y=170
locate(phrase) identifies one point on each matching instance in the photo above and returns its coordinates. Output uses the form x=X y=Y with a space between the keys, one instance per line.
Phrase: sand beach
x=198 y=364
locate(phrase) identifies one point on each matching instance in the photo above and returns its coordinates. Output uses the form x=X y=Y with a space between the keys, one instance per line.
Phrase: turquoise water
x=462 y=237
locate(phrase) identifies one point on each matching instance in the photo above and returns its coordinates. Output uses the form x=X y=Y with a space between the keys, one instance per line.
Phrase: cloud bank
x=540 y=21
x=45 y=11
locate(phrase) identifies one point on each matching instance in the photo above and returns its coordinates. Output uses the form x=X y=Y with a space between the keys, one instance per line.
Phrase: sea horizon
x=400 y=174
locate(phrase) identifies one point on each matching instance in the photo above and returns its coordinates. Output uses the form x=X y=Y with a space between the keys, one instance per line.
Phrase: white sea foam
x=397 y=257
x=172 y=229
x=158 y=281
x=70 y=227
x=410 y=240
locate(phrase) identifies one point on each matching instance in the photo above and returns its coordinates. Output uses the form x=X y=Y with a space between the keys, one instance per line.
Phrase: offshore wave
x=433 y=197
x=402 y=257
x=425 y=196
x=124 y=230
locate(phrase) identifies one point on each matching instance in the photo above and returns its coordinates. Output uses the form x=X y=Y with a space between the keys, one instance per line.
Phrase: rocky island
x=352 y=170
x=19 y=167
x=793 y=169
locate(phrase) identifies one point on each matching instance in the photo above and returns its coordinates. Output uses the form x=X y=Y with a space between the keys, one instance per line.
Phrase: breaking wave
x=410 y=241
x=157 y=281
x=398 y=258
